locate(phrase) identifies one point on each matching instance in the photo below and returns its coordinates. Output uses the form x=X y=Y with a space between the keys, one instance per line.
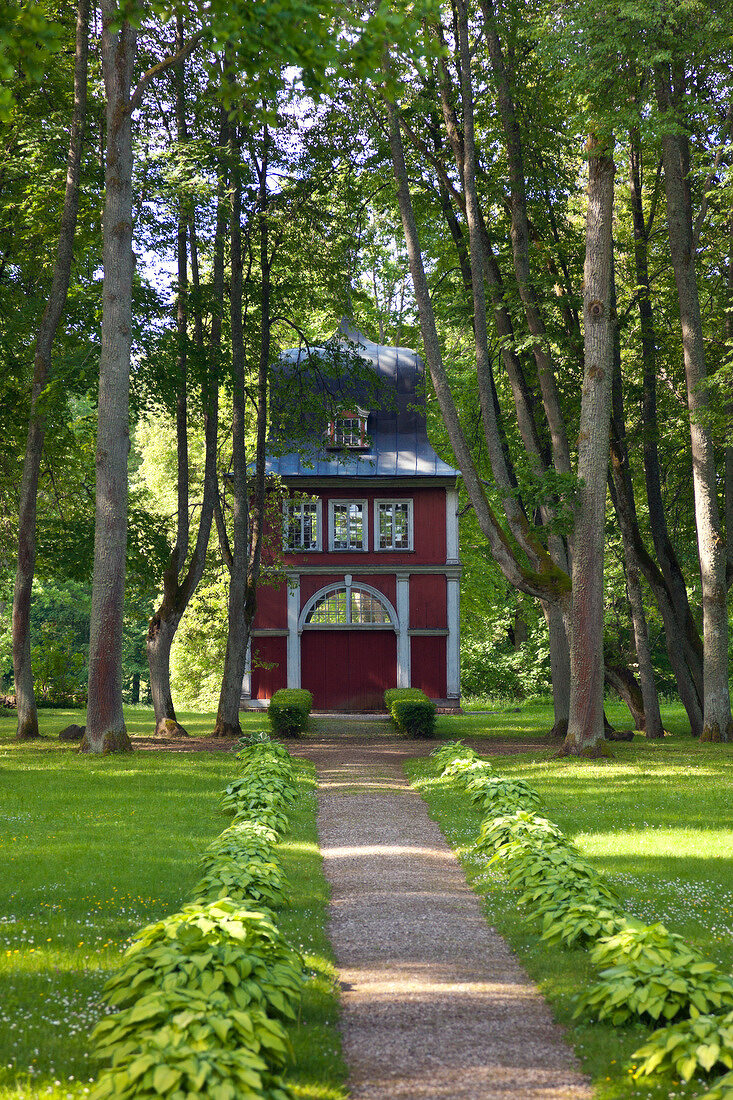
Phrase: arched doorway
x=348 y=648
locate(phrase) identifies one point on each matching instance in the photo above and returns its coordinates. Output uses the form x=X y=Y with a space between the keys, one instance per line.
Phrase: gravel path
x=434 y=1003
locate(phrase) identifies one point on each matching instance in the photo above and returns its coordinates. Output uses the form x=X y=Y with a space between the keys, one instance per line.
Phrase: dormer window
x=348 y=429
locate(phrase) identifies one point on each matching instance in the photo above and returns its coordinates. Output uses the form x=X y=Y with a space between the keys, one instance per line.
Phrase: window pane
x=385 y=527
x=340 y=526
x=394 y=525
x=366 y=608
x=348 y=526
x=330 y=609
x=401 y=527
x=300 y=526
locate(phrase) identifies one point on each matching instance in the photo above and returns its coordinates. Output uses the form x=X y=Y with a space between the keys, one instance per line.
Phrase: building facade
x=370 y=548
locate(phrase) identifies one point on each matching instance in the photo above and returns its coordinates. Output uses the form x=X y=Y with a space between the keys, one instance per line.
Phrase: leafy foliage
x=253 y=881
x=522 y=825
x=176 y=1070
x=639 y=988
x=578 y=923
x=411 y=711
x=683 y=1049
x=210 y=947
x=289 y=709
x=653 y=943
x=190 y=1017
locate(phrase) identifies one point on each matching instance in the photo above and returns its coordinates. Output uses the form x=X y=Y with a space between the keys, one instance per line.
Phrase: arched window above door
x=348 y=605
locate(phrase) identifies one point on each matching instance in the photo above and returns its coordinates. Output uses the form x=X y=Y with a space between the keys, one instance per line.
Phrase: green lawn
x=92 y=848
x=657 y=818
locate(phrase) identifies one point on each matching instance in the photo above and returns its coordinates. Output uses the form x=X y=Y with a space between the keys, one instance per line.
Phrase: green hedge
x=411 y=711
x=289 y=709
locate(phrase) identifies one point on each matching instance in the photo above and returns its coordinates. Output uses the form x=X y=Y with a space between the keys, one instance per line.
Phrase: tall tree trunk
x=717 y=721
x=729 y=408
x=685 y=637
x=105 y=730
x=559 y=667
x=247 y=516
x=178 y=591
x=585 y=725
x=23 y=672
x=651 y=720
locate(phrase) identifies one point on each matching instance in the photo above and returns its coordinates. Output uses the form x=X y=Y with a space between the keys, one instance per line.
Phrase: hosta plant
x=463 y=769
x=449 y=750
x=686 y=1048
x=656 y=992
x=162 y=1071
x=248 y=839
x=187 y=1016
x=518 y=825
x=261 y=749
x=257 y=883
x=257 y=791
x=501 y=795
x=556 y=889
x=217 y=946
x=581 y=923
x=270 y=816
x=531 y=865
x=653 y=944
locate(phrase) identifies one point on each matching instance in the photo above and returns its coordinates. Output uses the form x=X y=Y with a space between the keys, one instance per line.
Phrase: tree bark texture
x=650 y=719
x=559 y=667
x=105 y=728
x=585 y=725
x=686 y=635
x=177 y=589
x=23 y=672
x=717 y=721
x=244 y=555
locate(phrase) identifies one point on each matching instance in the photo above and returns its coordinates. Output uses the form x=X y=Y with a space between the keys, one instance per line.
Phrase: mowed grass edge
x=656 y=819
x=92 y=849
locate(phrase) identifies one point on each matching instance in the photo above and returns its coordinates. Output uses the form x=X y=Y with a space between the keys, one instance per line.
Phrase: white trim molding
x=247 y=681
x=451 y=527
x=364 y=527
x=293 y=660
x=392 y=501
x=453 y=643
x=403 y=638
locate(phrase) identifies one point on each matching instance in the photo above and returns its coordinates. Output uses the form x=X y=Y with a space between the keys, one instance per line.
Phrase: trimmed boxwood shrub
x=288 y=711
x=411 y=711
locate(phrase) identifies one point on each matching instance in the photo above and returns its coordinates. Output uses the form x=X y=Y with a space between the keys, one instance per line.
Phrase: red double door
x=348 y=670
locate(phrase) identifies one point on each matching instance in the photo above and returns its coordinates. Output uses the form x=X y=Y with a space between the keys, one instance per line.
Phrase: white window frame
x=291 y=503
x=364 y=527
x=391 y=501
x=335 y=436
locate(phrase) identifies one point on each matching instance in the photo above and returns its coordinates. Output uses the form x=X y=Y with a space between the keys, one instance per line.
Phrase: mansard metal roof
x=397 y=441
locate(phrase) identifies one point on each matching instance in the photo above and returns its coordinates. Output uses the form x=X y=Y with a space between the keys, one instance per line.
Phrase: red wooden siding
x=272 y=607
x=266 y=681
x=348 y=669
x=314 y=582
x=428 y=606
x=428 y=659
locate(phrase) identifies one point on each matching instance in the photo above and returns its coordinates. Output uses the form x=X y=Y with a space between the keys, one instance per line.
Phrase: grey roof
x=396 y=429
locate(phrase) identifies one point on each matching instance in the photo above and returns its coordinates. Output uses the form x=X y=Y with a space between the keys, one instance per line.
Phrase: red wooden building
x=370 y=542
